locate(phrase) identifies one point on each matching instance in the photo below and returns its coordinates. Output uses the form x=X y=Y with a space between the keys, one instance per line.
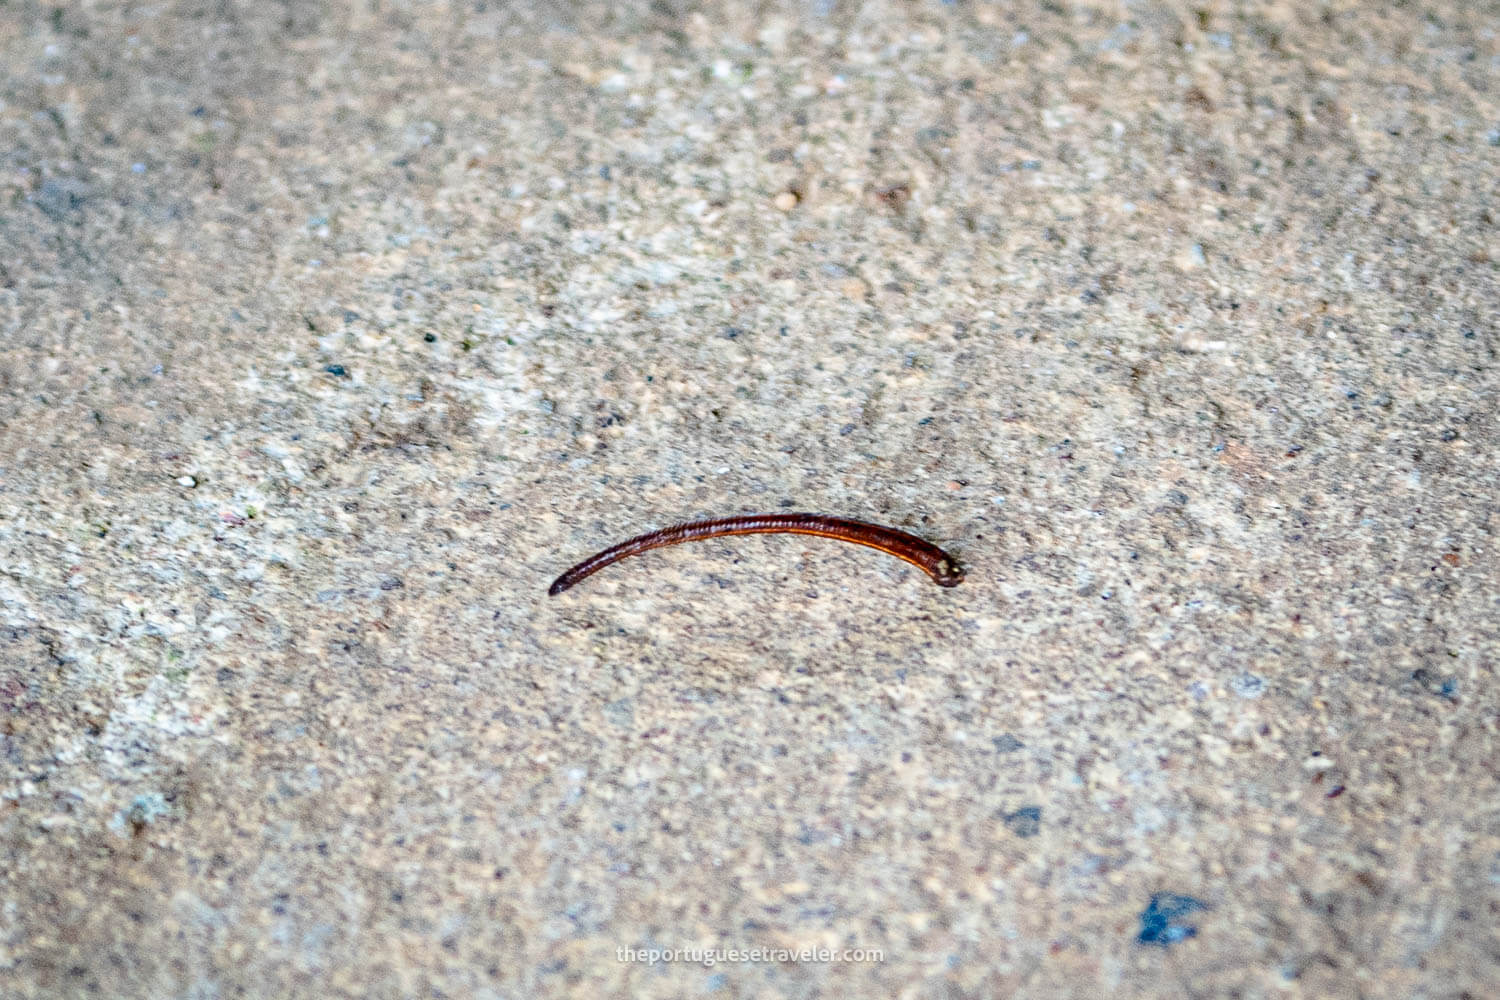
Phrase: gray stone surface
x=330 y=333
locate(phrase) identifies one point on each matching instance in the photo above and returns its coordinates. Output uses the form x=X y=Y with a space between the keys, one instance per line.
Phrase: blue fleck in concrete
x=1159 y=920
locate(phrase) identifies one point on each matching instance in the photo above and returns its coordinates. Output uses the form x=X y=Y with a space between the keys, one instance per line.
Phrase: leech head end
x=558 y=586
x=949 y=573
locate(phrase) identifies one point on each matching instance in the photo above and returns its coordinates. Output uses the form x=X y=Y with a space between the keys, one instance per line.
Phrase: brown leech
x=936 y=563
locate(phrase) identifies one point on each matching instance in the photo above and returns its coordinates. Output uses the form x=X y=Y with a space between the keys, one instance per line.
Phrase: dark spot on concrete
x=1006 y=743
x=1443 y=687
x=1025 y=821
x=62 y=197
x=338 y=371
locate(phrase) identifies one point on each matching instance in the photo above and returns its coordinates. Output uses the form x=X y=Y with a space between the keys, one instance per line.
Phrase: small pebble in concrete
x=1248 y=685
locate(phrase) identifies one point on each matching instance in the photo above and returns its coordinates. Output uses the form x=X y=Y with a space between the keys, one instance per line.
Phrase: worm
x=936 y=563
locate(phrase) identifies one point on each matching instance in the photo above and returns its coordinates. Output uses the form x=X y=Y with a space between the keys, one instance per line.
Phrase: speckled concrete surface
x=330 y=333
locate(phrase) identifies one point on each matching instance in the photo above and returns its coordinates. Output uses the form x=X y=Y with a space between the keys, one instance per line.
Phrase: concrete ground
x=331 y=332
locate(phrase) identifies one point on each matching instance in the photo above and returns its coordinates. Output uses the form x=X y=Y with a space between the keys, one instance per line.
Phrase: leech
x=936 y=563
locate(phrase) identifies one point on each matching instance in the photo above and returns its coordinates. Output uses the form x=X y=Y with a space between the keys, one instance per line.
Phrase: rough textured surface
x=330 y=333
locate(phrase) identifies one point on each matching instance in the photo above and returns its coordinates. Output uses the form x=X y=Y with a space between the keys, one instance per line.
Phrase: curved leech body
x=936 y=563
